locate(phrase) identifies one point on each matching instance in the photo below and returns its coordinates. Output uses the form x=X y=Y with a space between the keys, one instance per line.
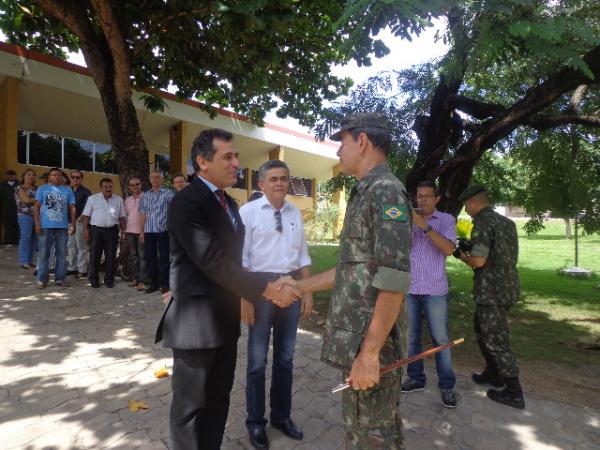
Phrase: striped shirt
x=154 y=206
x=427 y=262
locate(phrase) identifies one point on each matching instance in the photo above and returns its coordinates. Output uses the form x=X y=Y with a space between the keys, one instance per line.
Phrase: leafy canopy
x=250 y=55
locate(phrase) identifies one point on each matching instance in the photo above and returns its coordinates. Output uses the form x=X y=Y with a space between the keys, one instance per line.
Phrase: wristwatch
x=427 y=229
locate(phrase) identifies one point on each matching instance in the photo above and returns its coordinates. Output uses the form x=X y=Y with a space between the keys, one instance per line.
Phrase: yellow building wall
x=9 y=95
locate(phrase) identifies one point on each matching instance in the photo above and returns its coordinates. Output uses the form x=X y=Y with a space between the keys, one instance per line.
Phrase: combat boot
x=512 y=395
x=488 y=377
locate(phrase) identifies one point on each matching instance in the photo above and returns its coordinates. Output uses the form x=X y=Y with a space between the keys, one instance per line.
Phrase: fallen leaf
x=134 y=405
x=161 y=373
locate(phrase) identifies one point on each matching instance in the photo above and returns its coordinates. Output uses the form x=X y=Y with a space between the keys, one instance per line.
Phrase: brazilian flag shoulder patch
x=397 y=213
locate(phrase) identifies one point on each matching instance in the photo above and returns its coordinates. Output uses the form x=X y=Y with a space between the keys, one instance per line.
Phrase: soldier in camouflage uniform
x=496 y=288
x=367 y=325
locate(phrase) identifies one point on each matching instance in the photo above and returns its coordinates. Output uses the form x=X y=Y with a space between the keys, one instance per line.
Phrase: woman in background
x=25 y=199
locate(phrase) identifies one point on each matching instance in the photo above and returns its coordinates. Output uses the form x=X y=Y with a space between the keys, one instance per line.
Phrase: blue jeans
x=435 y=310
x=47 y=238
x=284 y=323
x=27 y=239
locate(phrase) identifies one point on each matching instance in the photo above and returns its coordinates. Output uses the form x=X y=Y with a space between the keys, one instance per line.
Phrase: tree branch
x=72 y=14
x=475 y=108
x=520 y=113
x=543 y=122
x=577 y=98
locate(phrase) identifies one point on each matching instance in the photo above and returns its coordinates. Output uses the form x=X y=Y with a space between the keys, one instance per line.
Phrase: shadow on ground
x=71 y=359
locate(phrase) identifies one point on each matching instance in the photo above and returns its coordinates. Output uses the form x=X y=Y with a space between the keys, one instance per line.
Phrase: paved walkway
x=71 y=359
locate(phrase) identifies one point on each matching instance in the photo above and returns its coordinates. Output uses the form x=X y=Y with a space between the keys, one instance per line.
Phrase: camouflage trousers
x=491 y=329
x=371 y=417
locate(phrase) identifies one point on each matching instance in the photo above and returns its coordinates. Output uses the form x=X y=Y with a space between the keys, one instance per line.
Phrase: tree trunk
x=126 y=137
x=106 y=53
x=568 y=233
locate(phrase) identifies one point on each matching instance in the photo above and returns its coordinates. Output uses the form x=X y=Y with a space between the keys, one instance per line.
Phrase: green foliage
x=251 y=56
x=366 y=18
x=322 y=223
x=153 y=103
x=563 y=170
x=339 y=182
x=499 y=51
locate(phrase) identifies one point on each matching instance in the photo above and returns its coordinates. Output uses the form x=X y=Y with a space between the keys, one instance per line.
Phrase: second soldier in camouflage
x=496 y=288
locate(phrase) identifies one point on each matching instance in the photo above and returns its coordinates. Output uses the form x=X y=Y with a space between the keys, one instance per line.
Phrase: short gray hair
x=271 y=164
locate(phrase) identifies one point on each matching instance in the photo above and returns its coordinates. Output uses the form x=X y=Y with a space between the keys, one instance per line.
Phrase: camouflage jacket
x=374 y=254
x=494 y=237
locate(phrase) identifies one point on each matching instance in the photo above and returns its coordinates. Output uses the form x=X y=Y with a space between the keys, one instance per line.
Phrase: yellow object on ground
x=161 y=373
x=134 y=405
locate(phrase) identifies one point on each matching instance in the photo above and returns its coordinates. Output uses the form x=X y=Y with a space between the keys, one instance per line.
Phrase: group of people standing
x=253 y=264
x=72 y=229
x=391 y=258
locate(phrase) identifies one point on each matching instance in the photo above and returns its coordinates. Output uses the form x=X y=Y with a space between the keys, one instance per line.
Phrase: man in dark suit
x=201 y=322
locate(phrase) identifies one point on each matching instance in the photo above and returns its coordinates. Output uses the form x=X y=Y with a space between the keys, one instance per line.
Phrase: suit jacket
x=207 y=278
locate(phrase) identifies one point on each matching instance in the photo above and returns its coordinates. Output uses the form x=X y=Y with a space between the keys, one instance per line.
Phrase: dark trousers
x=103 y=240
x=10 y=225
x=284 y=323
x=201 y=385
x=136 y=257
x=156 y=255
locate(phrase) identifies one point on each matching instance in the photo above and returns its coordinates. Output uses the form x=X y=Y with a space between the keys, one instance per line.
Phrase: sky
x=403 y=54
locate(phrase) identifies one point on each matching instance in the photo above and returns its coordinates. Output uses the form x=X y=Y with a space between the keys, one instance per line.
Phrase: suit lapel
x=204 y=190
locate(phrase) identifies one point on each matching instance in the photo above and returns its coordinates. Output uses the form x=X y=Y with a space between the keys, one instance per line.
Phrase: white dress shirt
x=104 y=213
x=266 y=249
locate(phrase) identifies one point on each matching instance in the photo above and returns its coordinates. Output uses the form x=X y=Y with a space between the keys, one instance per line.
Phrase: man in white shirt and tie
x=274 y=244
x=104 y=212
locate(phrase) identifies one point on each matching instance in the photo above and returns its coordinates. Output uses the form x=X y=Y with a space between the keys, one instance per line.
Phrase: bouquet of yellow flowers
x=463 y=229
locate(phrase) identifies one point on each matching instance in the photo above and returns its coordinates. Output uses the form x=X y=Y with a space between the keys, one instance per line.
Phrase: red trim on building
x=65 y=65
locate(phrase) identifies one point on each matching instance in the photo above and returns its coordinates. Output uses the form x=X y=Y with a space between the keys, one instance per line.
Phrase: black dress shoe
x=95 y=285
x=151 y=289
x=109 y=284
x=289 y=429
x=258 y=437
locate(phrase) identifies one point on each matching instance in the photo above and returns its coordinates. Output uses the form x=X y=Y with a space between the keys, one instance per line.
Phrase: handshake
x=283 y=292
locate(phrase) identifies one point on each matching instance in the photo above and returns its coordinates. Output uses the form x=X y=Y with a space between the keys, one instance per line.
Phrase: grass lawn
x=555 y=311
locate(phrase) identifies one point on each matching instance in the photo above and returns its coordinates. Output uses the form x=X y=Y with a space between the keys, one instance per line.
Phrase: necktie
x=222 y=199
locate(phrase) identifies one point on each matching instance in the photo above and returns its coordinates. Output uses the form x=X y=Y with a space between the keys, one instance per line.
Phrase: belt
x=106 y=228
x=272 y=276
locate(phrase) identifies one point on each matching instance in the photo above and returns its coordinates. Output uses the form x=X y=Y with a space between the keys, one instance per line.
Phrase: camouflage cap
x=471 y=191
x=361 y=120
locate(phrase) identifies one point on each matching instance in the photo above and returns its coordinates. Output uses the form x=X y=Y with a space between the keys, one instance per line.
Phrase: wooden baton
x=402 y=362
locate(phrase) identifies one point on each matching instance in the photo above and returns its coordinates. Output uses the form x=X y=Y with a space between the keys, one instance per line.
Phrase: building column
x=339 y=200
x=313 y=191
x=277 y=153
x=177 y=151
x=9 y=103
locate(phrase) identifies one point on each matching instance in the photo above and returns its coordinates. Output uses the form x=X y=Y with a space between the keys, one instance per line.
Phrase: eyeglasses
x=426 y=196
x=278 y=224
x=75 y=177
x=134 y=184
